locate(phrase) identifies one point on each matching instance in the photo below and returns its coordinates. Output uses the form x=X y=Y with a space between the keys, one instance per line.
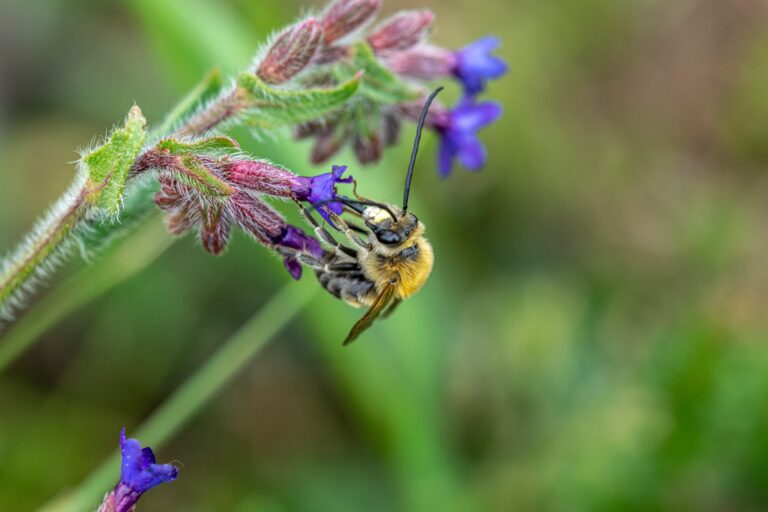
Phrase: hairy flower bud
x=423 y=62
x=390 y=128
x=214 y=229
x=401 y=31
x=261 y=176
x=367 y=147
x=291 y=52
x=345 y=16
x=327 y=144
x=256 y=217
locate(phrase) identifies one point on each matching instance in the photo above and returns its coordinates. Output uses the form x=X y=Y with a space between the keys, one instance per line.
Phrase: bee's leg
x=324 y=235
x=354 y=192
x=358 y=229
x=349 y=210
x=348 y=232
x=312 y=262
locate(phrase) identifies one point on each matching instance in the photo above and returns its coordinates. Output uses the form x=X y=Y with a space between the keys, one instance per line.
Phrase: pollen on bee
x=376 y=214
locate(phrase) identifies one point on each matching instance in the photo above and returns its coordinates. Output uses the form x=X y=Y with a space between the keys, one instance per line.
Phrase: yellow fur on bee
x=410 y=275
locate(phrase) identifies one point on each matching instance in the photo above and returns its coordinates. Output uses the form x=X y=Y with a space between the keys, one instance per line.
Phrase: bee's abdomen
x=352 y=287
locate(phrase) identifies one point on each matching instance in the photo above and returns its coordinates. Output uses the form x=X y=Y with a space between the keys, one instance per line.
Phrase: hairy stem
x=194 y=394
x=117 y=265
x=217 y=112
x=36 y=255
x=50 y=239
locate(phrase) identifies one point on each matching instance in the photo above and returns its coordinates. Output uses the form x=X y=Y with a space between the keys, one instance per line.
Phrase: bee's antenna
x=415 y=150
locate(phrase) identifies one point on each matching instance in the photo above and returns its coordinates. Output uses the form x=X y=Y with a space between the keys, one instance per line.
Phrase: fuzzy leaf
x=216 y=144
x=270 y=108
x=378 y=83
x=109 y=164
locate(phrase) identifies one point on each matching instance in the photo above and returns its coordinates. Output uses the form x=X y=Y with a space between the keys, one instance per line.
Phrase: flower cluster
x=212 y=193
x=139 y=472
x=399 y=46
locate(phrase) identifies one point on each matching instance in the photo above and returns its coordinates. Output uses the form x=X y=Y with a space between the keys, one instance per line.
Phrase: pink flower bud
x=423 y=62
x=345 y=16
x=326 y=145
x=390 y=128
x=214 y=229
x=291 y=52
x=437 y=116
x=261 y=176
x=256 y=217
x=367 y=148
x=401 y=31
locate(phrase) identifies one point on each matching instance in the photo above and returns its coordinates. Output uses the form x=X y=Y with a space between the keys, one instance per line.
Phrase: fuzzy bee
x=390 y=261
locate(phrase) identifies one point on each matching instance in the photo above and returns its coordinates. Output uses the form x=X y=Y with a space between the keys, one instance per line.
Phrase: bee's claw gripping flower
x=458 y=131
x=345 y=16
x=139 y=473
x=475 y=64
x=291 y=52
x=322 y=187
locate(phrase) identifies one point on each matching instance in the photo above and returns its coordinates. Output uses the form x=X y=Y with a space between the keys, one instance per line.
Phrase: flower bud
x=256 y=217
x=291 y=52
x=423 y=62
x=401 y=31
x=345 y=16
x=367 y=147
x=326 y=145
x=214 y=230
x=261 y=176
x=390 y=128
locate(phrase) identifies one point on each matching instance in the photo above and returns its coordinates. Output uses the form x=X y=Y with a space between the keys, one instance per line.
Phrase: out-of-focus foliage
x=593 y=335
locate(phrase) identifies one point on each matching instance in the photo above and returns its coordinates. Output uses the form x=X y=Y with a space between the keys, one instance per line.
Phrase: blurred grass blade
x=125 y=261
x=193 y=36
x=195 y=393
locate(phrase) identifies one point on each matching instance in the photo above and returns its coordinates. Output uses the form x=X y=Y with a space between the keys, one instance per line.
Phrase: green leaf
x=378 y=83
x=217 y=144
x=270 y=108
x=108 y=165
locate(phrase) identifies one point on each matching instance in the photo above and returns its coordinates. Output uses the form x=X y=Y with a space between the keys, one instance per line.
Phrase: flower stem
x=195 y=393
x=43 y=245
x=126 y=260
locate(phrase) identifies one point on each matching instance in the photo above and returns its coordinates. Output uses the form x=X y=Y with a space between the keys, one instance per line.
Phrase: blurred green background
x=593 y=337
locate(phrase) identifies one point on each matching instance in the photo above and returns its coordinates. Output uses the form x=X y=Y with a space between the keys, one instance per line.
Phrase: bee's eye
x=388 y=237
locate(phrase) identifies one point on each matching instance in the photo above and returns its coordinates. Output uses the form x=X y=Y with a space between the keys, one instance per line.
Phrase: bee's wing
x=382 y=299
x=391 y=308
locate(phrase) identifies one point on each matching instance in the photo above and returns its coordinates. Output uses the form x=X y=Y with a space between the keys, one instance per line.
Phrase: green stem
x=194 y=394
x=119 y=264
x=37 y=253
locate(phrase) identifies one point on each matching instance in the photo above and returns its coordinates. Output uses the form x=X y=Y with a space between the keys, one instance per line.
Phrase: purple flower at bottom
x=458 y=132
x=295 y=239
x=322 y=187
x=139 y=472
x=475 y=64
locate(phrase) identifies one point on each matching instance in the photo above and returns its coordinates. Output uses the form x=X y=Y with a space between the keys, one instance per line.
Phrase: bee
x=390 y=259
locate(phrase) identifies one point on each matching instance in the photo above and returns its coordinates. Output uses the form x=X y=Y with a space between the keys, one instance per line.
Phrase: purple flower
x=475 y=64
x=139 y=473
x=295 y=240
x=458 y=130
x=321 y=188
x=139 y=470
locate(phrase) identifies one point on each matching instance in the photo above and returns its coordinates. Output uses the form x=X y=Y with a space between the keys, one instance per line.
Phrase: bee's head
x=391 y=226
